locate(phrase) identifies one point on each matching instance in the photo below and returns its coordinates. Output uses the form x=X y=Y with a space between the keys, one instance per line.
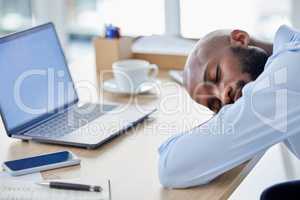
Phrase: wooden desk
x=131 y=161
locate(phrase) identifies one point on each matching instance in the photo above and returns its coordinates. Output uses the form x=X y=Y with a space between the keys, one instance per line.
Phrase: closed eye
x=218 y=73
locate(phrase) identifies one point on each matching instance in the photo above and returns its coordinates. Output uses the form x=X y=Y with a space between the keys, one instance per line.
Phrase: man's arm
x=285 y=36
x=259 y=119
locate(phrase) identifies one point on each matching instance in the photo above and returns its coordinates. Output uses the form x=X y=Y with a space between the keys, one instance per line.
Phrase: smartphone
x=40 y=163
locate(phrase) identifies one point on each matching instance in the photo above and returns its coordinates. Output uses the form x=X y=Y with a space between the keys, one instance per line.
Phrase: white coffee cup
x=132 y=73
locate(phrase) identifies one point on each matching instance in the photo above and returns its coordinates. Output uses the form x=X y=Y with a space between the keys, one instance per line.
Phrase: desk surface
x=131 y=160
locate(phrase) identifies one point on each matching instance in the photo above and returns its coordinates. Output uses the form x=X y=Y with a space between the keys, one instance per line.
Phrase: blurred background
x=78 y=21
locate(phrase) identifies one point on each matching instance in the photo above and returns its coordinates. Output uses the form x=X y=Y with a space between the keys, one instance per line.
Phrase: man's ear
x=239 y=38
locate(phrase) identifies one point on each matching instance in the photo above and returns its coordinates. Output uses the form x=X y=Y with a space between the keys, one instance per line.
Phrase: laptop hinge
x=23 y=137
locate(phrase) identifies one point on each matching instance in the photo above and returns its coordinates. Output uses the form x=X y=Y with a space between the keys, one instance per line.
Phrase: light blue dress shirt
x=266 y=114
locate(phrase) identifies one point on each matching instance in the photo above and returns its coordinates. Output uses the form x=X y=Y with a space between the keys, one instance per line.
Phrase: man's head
x=219 y=67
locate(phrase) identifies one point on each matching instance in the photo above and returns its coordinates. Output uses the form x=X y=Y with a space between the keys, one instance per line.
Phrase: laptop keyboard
x=69 y=121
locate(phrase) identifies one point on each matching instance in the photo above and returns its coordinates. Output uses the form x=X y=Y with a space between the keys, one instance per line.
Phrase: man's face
x=216 y=79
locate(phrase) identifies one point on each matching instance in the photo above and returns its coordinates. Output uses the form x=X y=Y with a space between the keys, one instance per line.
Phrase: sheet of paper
x=177 y=75
x=24 y=190
x=36 y=177
x=170 y=45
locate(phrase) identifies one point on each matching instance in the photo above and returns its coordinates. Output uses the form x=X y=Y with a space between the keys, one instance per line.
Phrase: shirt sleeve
x=285 y=35
x=267 y=113
x=293 y=144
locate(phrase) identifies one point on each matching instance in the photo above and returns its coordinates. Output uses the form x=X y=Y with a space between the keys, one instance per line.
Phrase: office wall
x=295 y=15
x=55 y=11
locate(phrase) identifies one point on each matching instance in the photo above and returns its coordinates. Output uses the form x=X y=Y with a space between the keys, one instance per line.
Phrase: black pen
x=71 y=186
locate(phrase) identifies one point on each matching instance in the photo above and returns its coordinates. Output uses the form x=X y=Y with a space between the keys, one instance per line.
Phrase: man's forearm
x=268 y=47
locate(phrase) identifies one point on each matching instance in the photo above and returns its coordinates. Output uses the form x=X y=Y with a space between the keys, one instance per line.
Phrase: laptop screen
x=34 y=78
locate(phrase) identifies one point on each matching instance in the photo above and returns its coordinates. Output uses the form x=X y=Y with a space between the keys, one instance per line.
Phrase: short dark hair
x=252 y=59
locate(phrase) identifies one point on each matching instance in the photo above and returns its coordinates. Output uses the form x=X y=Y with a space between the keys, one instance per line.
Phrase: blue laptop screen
x=34 y=77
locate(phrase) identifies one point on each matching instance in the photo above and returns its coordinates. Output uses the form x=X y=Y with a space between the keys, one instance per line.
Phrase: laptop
x=38 y=100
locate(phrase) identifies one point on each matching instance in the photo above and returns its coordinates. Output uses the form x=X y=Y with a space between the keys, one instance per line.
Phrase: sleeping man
x=253 y=87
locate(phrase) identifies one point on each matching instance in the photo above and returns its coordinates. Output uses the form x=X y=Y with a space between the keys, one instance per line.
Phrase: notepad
x=20 y=190
x=36 y=177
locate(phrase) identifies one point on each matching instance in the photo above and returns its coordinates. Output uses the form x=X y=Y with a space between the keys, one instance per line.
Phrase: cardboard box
x=164 y=61
x=108 y=51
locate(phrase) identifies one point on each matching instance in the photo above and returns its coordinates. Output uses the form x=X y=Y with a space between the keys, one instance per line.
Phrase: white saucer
x=111 y=86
